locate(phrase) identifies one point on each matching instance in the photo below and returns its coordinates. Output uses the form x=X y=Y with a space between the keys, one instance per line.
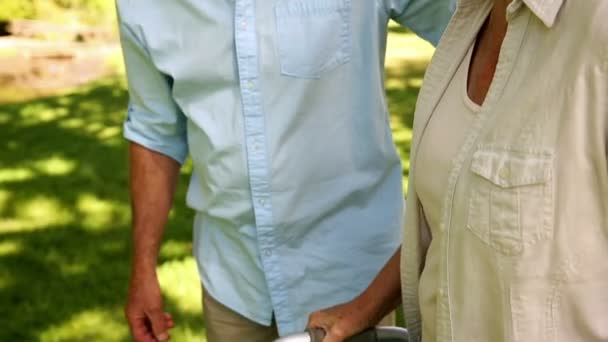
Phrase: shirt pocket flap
x=508 y=169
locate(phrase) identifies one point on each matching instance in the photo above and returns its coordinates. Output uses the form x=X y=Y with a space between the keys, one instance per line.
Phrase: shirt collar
x=545 y=10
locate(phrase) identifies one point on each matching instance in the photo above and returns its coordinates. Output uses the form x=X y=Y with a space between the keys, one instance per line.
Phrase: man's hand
x=153 y=177
x=144 y=311
x=341 y=321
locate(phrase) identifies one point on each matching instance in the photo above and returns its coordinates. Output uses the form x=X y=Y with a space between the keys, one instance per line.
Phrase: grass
x=64 y=210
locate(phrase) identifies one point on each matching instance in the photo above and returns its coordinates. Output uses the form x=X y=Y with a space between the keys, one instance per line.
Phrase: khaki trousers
x=225 y=325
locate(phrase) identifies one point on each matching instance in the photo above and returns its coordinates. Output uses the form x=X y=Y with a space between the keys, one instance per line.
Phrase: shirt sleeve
x=153 y=120
x=427 y=18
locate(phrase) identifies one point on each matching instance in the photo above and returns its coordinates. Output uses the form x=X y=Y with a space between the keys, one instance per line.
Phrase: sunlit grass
x=64 y=209
x=15 y=175
x=39 y=113
x=115 y=63
x=408 y=47
x=4 y=198
x=55 y=166
x=10 y=247
x=89 y=325
x=172 y=249
x=40 y=212
x=406 y=61
x=180 y=283
x=101 y=214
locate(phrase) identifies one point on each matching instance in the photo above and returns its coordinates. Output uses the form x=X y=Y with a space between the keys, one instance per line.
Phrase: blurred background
x=64 y=207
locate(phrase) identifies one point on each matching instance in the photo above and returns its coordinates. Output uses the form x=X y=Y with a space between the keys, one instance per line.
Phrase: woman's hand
x=342 y=321
x=381 y=297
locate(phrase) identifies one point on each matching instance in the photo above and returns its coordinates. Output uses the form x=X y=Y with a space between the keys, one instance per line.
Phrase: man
x=296 y=181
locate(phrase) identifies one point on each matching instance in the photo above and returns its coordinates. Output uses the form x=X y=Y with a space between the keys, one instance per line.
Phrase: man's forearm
x=153 y=177
x=383 y=295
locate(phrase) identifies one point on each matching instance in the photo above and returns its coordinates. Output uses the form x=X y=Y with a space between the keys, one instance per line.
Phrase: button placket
x=509 y=51
x=257 y=158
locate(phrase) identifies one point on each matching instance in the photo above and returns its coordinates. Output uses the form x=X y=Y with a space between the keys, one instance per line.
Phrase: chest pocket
x=314 y=36
x=511 y=202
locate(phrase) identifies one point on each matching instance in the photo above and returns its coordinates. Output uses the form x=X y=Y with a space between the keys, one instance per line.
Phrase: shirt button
x=262 y=202
x=249 y=84
x=244 y=24
x=441 y=293
x=267 y=252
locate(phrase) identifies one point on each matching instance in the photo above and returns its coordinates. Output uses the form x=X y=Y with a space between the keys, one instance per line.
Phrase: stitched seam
x=503 y=75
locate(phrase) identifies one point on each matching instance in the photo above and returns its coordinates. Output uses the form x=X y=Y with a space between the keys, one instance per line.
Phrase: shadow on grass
x=64 y=219
x=398 y=29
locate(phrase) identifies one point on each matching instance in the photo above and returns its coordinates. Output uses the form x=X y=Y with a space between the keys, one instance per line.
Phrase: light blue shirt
x=280 y=104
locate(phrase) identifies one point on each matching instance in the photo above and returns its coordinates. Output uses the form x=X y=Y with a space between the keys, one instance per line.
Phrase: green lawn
x=64 y=211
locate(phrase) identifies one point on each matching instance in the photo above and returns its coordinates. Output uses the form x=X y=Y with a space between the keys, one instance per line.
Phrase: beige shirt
x=446 y=132
x=523 y=249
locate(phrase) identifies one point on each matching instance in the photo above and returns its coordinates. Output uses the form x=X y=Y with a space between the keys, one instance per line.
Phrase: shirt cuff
x=174 y=147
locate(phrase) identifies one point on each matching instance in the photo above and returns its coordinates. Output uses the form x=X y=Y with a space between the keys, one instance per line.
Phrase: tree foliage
x=16 y=9
x=87 y=11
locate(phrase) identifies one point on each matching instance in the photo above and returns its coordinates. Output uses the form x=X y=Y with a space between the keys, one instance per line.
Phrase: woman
x=507 y=229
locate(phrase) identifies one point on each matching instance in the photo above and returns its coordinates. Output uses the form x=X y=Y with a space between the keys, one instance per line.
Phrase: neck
x=503 y=4
x=498 y=17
